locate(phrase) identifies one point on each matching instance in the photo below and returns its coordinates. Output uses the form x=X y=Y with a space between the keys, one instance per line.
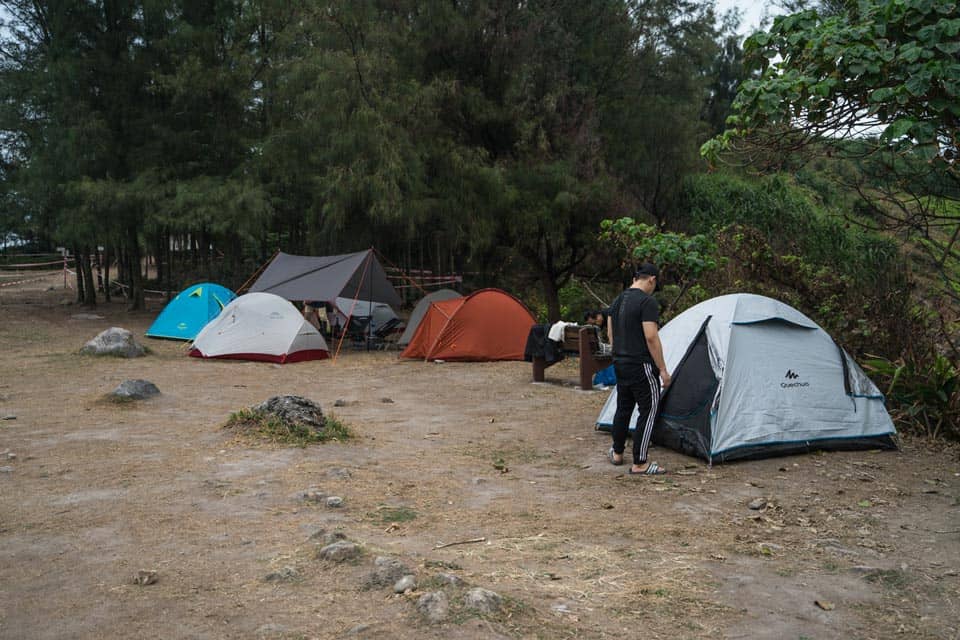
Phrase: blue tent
x=190 y=311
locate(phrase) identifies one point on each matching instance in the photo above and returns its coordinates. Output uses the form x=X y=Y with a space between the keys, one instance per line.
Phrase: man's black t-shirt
x=629 y=311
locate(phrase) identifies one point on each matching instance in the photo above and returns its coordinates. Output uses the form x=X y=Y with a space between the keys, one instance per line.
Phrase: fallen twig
x=451 y=544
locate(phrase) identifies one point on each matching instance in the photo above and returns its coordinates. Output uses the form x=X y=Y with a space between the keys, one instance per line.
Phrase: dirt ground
x=850 y=545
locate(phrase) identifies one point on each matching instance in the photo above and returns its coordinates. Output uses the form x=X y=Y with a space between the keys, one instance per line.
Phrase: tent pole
x=353 y=305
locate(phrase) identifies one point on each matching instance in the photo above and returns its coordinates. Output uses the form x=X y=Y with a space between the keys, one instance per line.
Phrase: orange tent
x=489 y=324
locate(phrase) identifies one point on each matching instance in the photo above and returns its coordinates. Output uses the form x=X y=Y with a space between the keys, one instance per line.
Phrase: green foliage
x=924 y=391
x=685 y=257
x=386 y=515
x=451 y=134
x=788 y=217
x=260 y=426
x=897 y=59
x=575 y=299
x=828 y=81
x=773 y=239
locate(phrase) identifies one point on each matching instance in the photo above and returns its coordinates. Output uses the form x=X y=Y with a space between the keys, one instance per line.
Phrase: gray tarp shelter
x=754 y=377
x=326 y=278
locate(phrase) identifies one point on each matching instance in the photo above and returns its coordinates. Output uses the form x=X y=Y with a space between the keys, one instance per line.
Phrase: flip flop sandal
x=612 y=460
x=653 y=469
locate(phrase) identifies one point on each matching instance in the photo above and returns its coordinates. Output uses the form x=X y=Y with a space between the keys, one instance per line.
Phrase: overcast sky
x=752 y=12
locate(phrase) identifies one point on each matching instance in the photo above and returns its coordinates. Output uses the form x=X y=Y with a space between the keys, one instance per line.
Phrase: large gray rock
x=340 y=551
x=295 y=410
x=434 y=606
x=135 y=390
x=386 y=571
x=115 y=342
x=483 y=600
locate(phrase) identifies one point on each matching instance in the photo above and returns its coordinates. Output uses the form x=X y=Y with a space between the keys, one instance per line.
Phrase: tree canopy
x=484 y=136
x=878 y=83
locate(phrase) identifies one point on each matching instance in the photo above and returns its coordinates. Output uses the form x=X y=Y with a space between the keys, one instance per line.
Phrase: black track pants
x=637 y=386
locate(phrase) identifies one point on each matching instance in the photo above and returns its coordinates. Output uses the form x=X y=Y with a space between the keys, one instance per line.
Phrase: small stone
x=340 y=402
x=287 y=573
x=386 y=572
x=334 y=536
x=11 y=456
x=360 y=628
x=312 y=495
x=386 y=400
x=479 y=480
x=340 y=473
x=135 y=390
x=483 y=600
x=6 y=469
x=404 y=584
x=757 y=504
x=10 y=417
x=434 y=606
x=340 y=551
x=864 y=569
x=334 y=502
x=316 y=533
x=450 y=579
x=145 y=577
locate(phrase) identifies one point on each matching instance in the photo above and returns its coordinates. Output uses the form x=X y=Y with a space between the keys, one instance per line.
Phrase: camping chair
x=388 y=334
x=358 y=331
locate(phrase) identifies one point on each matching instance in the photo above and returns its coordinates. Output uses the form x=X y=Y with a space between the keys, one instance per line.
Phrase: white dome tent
x=753 y=377
x=260 y=326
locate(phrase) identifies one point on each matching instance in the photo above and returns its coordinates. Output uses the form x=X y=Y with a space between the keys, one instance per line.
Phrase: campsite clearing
x=470 y=470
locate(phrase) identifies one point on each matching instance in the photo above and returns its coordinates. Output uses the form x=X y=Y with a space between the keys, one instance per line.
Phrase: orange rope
x=353 y=305
x=257 y=272
x=402 y=272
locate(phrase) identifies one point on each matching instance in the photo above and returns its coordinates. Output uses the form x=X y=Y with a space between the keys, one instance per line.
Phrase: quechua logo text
x=793 y=375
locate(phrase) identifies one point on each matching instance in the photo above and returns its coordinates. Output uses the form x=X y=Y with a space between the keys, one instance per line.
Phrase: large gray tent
x=753 y=377
x=421 y=309
x=326 y=278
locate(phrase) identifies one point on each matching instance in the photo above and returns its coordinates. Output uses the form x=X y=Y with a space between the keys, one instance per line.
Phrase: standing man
x=632 y=326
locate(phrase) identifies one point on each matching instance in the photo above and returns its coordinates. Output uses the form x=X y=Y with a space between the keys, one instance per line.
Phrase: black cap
x=645 y=270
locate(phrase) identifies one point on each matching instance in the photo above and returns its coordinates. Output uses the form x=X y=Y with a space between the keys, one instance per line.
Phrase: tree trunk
x=77 y=264
x=552 y=295
x=106 y=273
x=159 y=253
x=89 y=286
x=136 y=281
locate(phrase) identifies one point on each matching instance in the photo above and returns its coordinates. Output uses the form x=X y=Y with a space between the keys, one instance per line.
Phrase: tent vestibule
x=419 y=311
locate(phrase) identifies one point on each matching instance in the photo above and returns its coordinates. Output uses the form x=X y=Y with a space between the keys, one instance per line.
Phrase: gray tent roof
x=421 y=310
x=325 y=278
